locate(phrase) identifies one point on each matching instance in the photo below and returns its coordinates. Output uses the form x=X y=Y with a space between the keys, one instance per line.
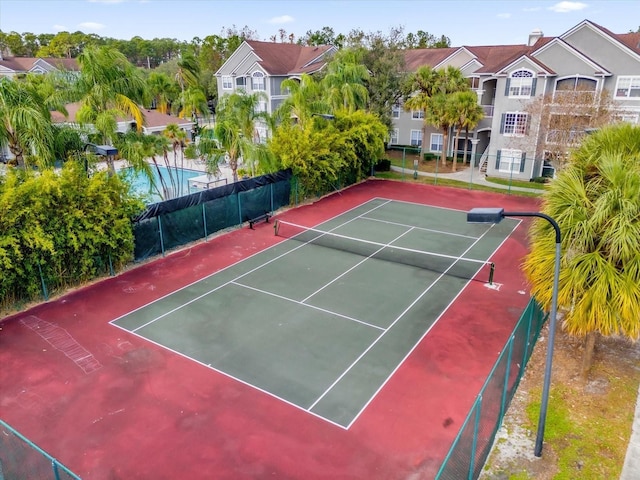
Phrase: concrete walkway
x=631 y=468
x=468 y=175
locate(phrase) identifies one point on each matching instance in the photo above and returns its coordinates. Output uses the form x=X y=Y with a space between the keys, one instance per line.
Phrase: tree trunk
x=464 y=155
x=589 y=349
x=445 y=145
x=455 y=151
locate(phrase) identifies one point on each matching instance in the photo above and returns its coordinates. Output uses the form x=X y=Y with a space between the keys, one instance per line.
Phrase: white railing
x=483 y=159
x=488 y=110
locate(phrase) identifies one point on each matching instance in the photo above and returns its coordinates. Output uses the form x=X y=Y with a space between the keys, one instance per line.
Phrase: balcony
x=488 y=110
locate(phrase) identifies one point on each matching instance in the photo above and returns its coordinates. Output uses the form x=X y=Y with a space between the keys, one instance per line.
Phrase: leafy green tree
x=324 y=154
x=25 y=124
x=595 y=200
x=90 y=230
x=384 y=59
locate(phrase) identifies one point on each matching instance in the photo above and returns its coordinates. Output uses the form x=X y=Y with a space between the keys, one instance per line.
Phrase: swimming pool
x=176 y=182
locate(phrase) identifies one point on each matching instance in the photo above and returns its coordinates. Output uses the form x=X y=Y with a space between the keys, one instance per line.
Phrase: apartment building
x=263 y=66
x=512 y=140
x=588 y=61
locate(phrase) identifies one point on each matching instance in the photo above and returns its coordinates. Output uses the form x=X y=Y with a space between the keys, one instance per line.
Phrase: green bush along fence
x=22 y=459
x=473 y=443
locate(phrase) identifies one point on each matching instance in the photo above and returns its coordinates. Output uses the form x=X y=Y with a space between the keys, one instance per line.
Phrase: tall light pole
x=495 y=215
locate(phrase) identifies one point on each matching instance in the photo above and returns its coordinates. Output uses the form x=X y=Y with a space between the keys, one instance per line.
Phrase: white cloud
x=504 y=15
x=565 y=7
x=60 y=28
x=91 y=25
x=281 y=19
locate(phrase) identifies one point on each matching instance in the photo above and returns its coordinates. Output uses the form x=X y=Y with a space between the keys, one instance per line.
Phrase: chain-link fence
x=473 y=443
x=22 y=459
x=179 y=221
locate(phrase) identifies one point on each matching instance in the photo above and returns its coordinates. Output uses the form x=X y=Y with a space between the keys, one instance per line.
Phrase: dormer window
x=257 y=81
x=521 y=84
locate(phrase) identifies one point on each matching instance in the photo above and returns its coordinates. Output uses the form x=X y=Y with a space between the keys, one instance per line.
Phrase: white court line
x=308 y=305
x=243 y=275
x=228 y=375
x=386 y=201
x=250 y=256
x=429 y=329
x=357 y=265
x=419 y=228
x=355 y=362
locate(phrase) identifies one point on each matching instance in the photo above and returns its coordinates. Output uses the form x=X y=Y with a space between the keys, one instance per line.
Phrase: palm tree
x=177 y=137
x=467 y=113
x=238 y=117
x=110 y=88
x=428 y=90
x=25 y=123
x=595 y=201
x=162 y=90
x=418 y=90
x=305 y=99
x=344 y=84
x=193 y=102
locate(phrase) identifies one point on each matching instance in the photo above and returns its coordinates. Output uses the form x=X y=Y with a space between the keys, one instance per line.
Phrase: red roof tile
x=288 y=58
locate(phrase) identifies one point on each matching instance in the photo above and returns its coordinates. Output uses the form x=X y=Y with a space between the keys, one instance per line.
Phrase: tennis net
x=446 y=264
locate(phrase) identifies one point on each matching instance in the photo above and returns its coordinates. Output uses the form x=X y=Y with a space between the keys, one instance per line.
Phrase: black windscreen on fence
x=169 y=224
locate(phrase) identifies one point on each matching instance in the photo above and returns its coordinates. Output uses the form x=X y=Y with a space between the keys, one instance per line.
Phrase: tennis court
x=323 y=319
x=337 y=351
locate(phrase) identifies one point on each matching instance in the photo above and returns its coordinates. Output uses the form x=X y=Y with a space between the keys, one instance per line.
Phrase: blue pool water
x=178 y=188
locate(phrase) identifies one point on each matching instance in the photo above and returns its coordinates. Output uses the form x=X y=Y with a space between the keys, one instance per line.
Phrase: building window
x=474 y=83
x=241 y=83
x=227 y=83
x=436 y=142
x=521 y=84
x=510 y=160
x=417 y=114
x=395 y=110
x=628 y=87
x=575 y=90
x=261 y=106
x=416 y=138
x=394 y=137
x=514 y=124
x=257 y=81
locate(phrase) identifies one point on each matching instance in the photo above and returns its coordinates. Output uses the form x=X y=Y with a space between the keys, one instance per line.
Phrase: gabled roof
x=599 y=69
x=630 y=41
x=153 y=118
x=289 y=58
x=416 y=58
x=26 y=64
x=495 y=57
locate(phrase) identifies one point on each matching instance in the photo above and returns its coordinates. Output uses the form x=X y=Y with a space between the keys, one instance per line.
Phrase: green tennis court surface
x=322 y=320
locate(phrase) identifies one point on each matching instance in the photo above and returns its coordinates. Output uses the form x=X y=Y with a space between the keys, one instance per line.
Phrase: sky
x=465 y=22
